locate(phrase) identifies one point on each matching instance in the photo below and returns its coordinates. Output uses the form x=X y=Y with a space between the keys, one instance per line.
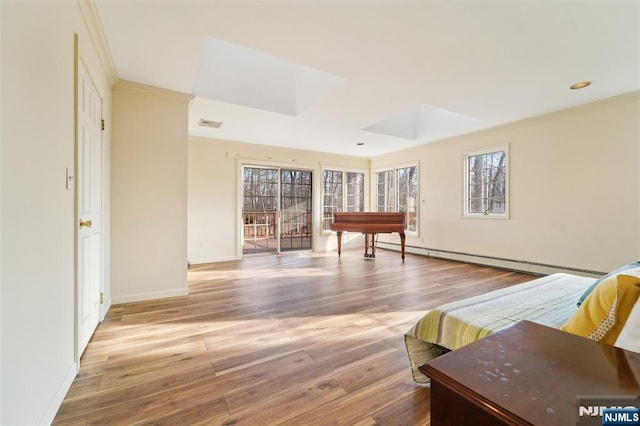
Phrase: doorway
x=276 y=209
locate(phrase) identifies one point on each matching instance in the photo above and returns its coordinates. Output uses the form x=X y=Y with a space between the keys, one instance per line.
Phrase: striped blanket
x=548 y=301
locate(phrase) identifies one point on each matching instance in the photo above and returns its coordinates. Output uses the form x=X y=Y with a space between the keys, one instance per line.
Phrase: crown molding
x=94 y=27
x=168 y=94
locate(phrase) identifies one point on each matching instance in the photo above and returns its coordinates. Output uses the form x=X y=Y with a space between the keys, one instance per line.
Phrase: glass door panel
x=260 y=210
x=295 y=202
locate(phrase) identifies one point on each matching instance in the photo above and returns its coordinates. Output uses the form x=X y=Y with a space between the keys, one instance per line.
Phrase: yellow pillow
x=604 y=312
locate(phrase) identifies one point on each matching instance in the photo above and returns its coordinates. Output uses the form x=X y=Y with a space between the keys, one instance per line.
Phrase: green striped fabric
x=548 y=301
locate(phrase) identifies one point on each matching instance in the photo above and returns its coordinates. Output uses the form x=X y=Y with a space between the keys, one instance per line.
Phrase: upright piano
x=370 y=224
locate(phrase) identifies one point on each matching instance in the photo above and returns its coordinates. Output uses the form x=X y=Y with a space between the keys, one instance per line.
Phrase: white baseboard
x=105 y=308
x=141 y=297
x=514 y=265
x=64 y=387
x=212 y=260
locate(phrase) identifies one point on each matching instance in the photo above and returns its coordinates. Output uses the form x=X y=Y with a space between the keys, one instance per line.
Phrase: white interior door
x=89 y=192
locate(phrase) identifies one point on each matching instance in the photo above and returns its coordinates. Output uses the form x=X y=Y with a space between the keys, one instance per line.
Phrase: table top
x=533 y=374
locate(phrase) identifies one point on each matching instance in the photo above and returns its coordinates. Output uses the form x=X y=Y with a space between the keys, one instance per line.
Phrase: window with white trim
x=397 y=191
x=341 y=191
x=486 y=183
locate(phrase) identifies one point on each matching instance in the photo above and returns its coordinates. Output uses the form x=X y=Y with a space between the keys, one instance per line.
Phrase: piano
x=370 y=224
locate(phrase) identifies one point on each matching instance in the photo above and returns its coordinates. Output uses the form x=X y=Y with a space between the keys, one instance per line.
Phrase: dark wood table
x=527 y=374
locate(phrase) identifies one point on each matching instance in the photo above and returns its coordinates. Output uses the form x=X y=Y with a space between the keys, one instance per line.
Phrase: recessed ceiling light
x=210 y=123
x=360 y=143
x=580 y=85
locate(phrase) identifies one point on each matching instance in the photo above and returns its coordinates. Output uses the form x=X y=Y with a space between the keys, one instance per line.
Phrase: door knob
x=85 y=223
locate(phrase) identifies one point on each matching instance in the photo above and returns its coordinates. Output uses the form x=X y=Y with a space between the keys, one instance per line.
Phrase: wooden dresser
x=527 y=374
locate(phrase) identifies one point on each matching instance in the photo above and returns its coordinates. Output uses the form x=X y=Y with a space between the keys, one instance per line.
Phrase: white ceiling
x=325 y=75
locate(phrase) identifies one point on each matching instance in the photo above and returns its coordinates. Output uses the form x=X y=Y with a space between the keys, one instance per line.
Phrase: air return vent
x=210 y=123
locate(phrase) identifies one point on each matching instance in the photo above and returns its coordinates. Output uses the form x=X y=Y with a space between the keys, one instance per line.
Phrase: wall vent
x=210 y=123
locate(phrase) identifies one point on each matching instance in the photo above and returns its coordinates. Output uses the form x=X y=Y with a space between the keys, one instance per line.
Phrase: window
x=355 y=192
x=397 y=191
x=486 y=192
x=341 y=191
x=386 y=191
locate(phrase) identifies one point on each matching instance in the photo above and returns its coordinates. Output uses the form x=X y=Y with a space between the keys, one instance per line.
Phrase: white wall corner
x=55 y=404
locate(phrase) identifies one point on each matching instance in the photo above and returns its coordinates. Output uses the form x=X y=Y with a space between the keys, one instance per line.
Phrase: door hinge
x=101 y=298
x=102 y=123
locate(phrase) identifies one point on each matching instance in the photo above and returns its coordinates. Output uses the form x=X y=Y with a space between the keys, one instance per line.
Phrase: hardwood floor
x=298 y=339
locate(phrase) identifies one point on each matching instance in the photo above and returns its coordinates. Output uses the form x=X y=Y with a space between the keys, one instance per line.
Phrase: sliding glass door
x=260 y=210
x=295 y=202
x=276 y=210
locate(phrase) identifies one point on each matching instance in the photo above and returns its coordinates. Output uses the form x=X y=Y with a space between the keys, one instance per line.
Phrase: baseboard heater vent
x=497 y=262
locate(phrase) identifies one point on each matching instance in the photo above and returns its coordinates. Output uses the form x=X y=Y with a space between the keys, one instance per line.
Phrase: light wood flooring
x=297 y=339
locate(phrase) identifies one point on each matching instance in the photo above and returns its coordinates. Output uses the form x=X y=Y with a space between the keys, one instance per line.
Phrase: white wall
x=574 y=186
x=214 y=214
x=37 y=211
x=148 y=193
